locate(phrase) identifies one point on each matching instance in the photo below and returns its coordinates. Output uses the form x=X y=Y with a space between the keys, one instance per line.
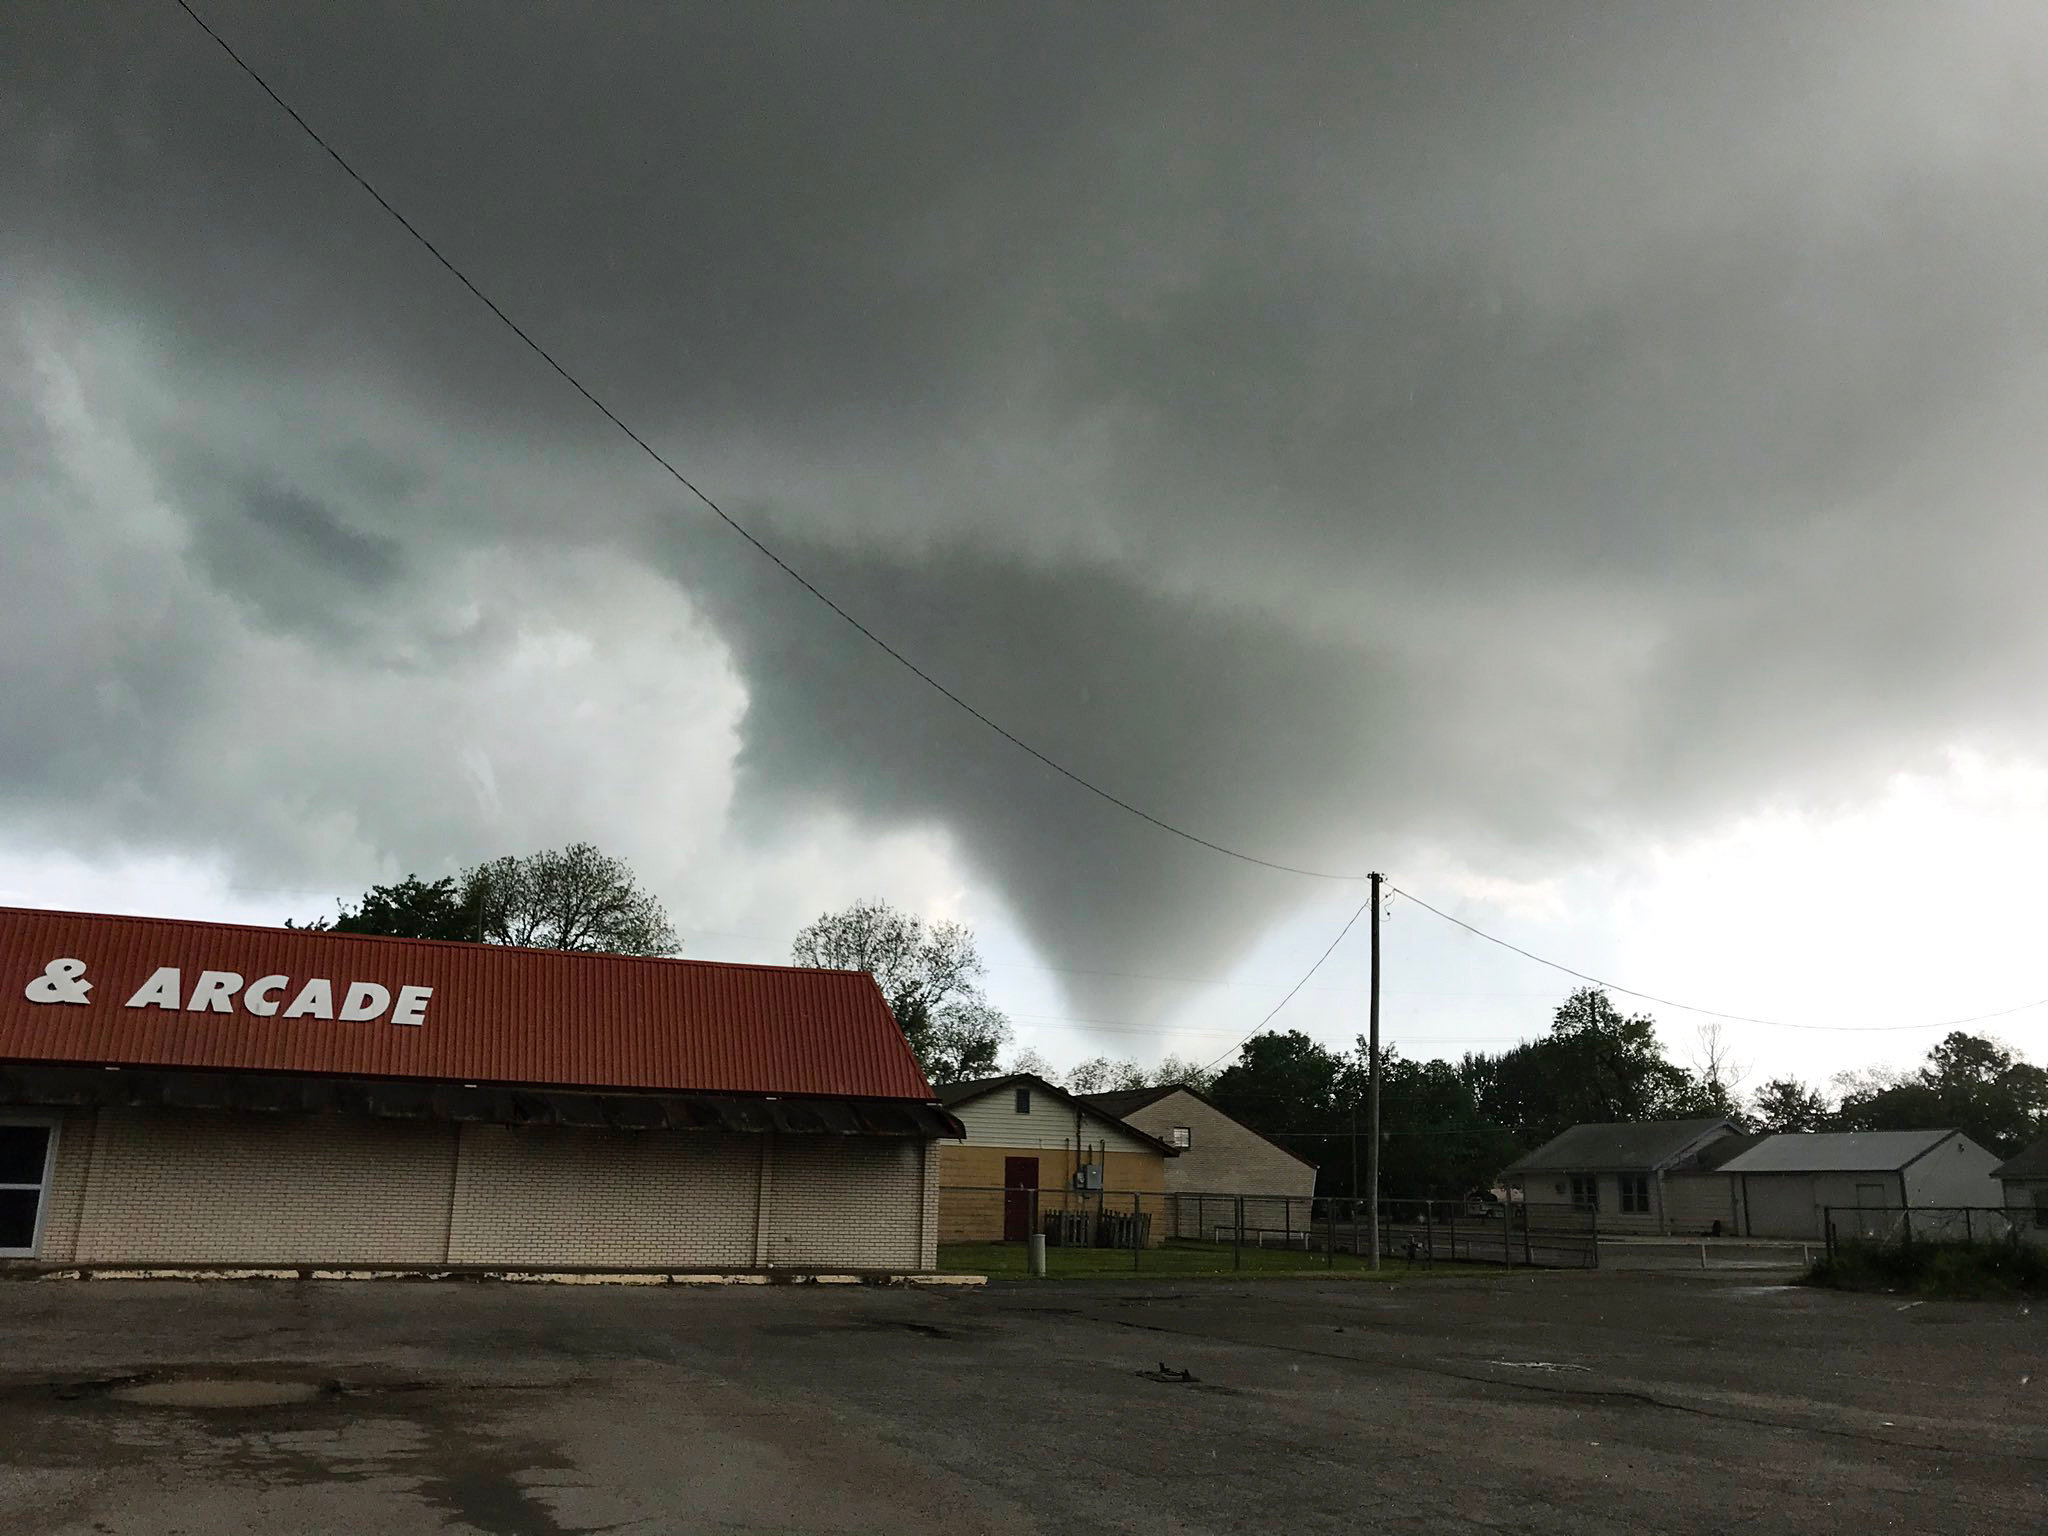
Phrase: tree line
x=1446 y=1127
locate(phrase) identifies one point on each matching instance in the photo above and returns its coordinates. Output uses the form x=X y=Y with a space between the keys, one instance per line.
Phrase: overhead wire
x=1713 y=1013
x=725 y=517
x=1274 y=1011
x=935 y=684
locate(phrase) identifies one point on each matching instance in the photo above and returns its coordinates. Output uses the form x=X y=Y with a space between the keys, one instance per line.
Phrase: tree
x=1786 y=1104
x=1971 y=1083
x=1594 y=1065
x=1031 y=1060
x=1434 y=1140
x=1101 y=1074
x=411 y=909
x=930 y=974
x=1280 y=1084
x=962 y=1041
x=1176 y=1071
x=1710 y=1086
x=568 y=898
x=576 y=898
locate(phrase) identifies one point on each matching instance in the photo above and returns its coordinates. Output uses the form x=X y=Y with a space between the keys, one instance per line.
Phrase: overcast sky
x=1582 y=460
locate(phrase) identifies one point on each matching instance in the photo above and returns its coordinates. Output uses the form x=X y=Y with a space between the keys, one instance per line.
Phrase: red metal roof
x=495 y=1014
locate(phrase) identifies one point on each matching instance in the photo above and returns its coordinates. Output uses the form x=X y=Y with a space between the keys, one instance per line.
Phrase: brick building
x=1217 y=1155
x=197 y=1093
x=1030 y=1149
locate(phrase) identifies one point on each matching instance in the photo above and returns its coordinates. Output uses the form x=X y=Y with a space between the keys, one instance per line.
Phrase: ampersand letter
x=62 y=981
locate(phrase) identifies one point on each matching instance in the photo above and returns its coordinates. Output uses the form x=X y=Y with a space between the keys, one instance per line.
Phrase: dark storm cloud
x=1347 y=430
x=299 y=521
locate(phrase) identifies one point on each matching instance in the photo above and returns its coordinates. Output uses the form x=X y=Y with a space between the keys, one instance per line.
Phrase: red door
x=1020 y=1181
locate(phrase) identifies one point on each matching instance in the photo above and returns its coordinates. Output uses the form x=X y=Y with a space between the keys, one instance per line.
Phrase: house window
x=1023 y=1101
x=1181 y=1137
x=1635 y=1194
x=25 y=1147
x=2041 y=1207
x=1585 y=1192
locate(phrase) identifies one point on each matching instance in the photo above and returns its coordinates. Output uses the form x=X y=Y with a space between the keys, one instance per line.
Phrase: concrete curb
x=503 y=1276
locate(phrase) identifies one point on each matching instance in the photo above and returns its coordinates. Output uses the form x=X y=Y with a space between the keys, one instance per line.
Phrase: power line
x=927 y=678
x=1715 y=1013
x=723 y=516
x=1275 y=1009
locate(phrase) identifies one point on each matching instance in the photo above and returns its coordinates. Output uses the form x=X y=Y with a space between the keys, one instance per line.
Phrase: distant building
x=1783 y=1184
x=1699 y=1197
x=2025 y=1180
x=1617 y=1175
x=1033 y=1149
x=1220 y=1156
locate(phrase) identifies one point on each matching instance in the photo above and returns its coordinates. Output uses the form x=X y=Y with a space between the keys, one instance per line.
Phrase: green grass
x=1963 y=1270
x=1179 y=1259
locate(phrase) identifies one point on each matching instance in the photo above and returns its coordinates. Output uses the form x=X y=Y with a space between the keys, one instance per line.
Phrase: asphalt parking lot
x=1508 y=1403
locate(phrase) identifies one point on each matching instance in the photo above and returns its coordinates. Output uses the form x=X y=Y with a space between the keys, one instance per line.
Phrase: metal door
x=1020 y=1180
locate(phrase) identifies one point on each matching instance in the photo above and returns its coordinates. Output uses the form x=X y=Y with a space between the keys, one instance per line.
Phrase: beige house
x=1032 y=1150
x=1220 y=1159
x=1643 y=1176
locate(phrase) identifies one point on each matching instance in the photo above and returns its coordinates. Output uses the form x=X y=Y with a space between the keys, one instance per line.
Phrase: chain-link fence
x=1891 y=1226
x=986 y=1227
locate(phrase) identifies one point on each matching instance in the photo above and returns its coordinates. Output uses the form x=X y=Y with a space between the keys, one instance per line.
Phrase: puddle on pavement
x=216 y=1392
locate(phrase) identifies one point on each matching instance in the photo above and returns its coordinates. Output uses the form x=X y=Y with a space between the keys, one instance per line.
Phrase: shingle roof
x=1716 y=1154
x=1130 y=1100
x=2030 y=1164
x=496 y=1015
x=1835 y=1151
x=1636 y=1144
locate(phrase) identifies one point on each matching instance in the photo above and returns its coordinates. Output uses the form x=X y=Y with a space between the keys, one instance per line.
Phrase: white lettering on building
x=315 y=1001
x=63 y=981
x=213 y=991
x=160 y=991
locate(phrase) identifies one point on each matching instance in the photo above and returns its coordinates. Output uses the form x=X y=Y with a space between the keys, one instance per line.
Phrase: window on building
x=2041 y=1207
x=1635 y=1194
x=1585 y=1192
x=1023 y=1101
x=1181 y=1137
x=24 y=1181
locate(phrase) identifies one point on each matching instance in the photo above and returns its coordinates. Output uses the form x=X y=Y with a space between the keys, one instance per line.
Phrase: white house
x=1616 y=1176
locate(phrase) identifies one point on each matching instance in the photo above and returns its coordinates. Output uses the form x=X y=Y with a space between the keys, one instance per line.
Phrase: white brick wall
x=557 y=1197
x=197 y=1187
x=843 y=1201
x=66 y=1198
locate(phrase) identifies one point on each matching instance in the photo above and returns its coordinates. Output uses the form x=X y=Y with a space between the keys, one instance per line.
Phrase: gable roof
x=2030 y=1164
x=953 y=1095
x=1717 y=1153
x=493 y=1014
x=1630 y=1144
x=1129 y=1101
x=1836 y=1151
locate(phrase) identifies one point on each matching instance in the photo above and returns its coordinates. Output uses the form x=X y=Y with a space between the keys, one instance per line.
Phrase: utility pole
x=1372 y=1146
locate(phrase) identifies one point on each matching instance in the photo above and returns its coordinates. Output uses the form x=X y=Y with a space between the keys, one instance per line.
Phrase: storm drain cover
x=216 y=1392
